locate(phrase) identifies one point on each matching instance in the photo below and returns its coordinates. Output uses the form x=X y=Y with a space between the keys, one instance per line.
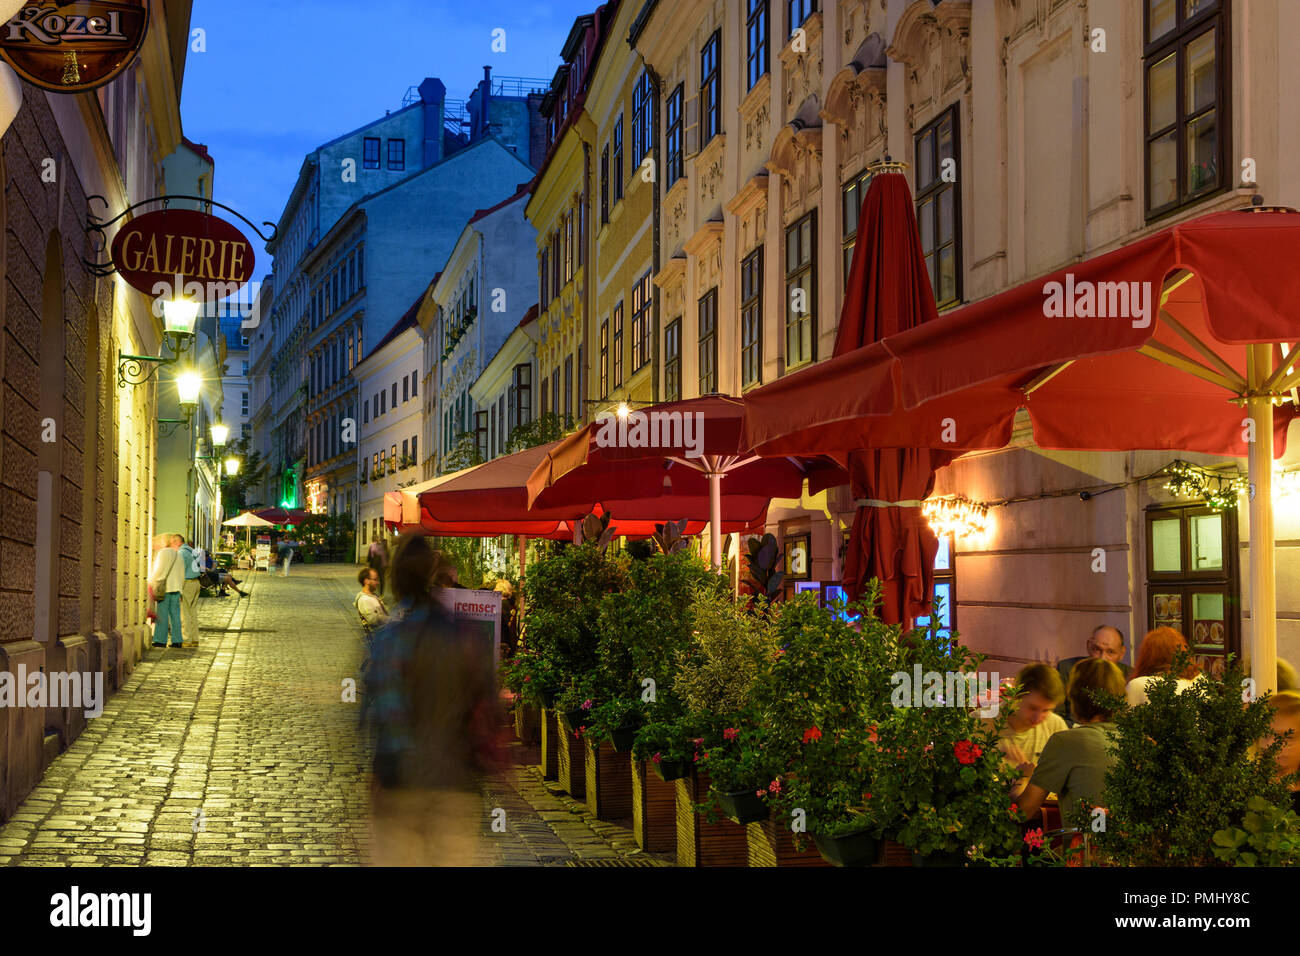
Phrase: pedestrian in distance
x=193 y=570
x=286 y=555
x=377 y=559
x=166 y=580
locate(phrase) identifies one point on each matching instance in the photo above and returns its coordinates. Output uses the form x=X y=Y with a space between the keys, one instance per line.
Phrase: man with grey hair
x=1106 y=643
x=166 y=580
x=189 y=560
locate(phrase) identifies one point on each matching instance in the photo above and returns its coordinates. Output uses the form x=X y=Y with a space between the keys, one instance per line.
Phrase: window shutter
x=691 y=117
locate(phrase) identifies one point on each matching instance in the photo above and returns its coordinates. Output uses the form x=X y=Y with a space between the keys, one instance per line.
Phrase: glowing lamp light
x=188 y=386
x=955 y=515
x=623 y=410
x=232 y=466
x=179 y=316
x=220 y=433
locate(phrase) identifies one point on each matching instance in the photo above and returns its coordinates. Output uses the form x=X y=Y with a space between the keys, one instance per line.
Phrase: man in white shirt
x=166 y=580
x=368 y=603
x=193 y=568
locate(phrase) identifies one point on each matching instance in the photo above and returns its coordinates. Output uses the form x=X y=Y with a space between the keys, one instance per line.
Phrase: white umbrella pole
x=1263 y=579
x=715 y=518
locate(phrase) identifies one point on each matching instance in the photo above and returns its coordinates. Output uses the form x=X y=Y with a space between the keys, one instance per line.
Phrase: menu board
x=480 y=612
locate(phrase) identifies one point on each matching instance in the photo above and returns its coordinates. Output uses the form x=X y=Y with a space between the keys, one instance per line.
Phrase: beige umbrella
x=249 y=520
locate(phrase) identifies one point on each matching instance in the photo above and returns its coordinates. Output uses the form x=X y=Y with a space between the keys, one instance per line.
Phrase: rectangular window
x=542 y=392
x=800 y=288
x=604 y=185
x=492 y=432
x=800 y=10
x=555 y=390
x=673 y=164
x=641 y=322
x=673 y=361
x=945 y=591
x=244 y=368
x=414 y=454
x=406 y=448
x=481 y=434
x=1185 y=66
x=851 y=201
x=751 y=318
x=365 y=413
x=568 y=386
x=243 y=403
x=523 y=394
x=543 y=274
x=709 y=342
x=756 y=40
x=1193 y=579
x=604 y=359
x=710 y=89
x=616 y=374
x=394 y=394
x=371 y=156
x=938 y=205
x=397 y=154
x=641 y=120
x=618 y=158
x=557 y=282
x=406 y=385
x=568 y=247
x=414 y=385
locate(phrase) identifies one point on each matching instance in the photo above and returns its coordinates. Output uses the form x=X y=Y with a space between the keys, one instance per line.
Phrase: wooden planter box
x=609 y=781
x=654 y=810
x=548 y=728
x=773 y=845
x=700 y=843
x=569 y=769
x=528 y=724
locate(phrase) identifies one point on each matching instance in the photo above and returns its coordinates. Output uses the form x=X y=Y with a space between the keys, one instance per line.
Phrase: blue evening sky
x=279 y=79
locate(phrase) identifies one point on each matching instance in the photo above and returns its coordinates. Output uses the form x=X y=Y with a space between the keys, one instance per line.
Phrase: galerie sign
x=196 y=246
x=71 y=47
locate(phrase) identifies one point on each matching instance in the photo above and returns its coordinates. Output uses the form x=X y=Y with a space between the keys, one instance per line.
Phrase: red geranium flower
x=731 y=733
x=812 y=733
x=1035 y=838
x=967 y=752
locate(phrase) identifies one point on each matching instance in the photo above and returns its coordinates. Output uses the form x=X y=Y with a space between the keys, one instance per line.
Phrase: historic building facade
x=77 y=447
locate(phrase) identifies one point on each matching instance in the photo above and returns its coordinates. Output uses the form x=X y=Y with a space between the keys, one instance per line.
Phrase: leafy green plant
x=1268 y=836
x=670 y=537
x=764 y=560
x=1187 y=766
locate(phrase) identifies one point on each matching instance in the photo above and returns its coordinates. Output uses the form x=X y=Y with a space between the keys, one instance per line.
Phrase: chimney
x=487 y=99
x=433 y=96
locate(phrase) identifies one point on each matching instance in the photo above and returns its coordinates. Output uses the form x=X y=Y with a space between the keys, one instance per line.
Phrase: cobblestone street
x=240 y=752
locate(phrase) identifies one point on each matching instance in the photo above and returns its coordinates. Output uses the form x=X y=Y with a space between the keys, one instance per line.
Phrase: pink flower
x=656 y=758
x=760 y=793
x=775 y=786
x=731 y=733
x=586 y=704
x=1035 y=838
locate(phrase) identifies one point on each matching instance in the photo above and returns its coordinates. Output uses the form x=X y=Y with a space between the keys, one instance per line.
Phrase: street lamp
x=179 y=315
x=188 y=385
x=232 y=466
x=220 y=433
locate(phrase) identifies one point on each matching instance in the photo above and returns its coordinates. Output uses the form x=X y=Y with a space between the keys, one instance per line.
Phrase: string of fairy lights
x=959 y=516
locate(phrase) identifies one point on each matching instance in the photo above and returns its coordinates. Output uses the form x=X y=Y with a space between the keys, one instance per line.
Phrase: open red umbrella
x=493 y=498
x=1183 y=340
x=282 y=516
x=889 y=291
x=675 y=454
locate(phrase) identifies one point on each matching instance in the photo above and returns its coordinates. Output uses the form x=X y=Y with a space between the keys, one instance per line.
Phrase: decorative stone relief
x=756 y=127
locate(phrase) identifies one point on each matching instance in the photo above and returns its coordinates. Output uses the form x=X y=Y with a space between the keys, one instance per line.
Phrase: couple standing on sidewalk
x=174 y=585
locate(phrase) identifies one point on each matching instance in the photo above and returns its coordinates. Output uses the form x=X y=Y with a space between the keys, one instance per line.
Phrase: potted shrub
x=1269 y=835
x=1190 y=770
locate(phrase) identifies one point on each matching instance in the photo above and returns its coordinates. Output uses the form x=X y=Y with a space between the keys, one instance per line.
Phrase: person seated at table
x=1287 y=678
x=1287 y=718
x=1074 y=762
x=1032 y=721
x=368 y=603
x=215 y=577
x=1107 y=643
x=1154 y=659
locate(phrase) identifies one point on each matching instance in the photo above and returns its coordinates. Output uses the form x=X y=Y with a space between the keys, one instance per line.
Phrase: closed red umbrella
x=889 y=291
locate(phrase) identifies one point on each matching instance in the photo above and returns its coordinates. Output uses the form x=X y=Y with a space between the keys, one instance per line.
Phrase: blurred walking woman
x=431 y=701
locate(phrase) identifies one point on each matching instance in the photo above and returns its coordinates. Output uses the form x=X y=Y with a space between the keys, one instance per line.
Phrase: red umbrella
x=674 y=454
x=282 y=516
x=492 y=498
x=1183 y=340
x=889 y=291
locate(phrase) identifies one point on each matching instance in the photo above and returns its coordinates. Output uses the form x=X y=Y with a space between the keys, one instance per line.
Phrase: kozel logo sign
x=71 y=47
x=200 y=248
